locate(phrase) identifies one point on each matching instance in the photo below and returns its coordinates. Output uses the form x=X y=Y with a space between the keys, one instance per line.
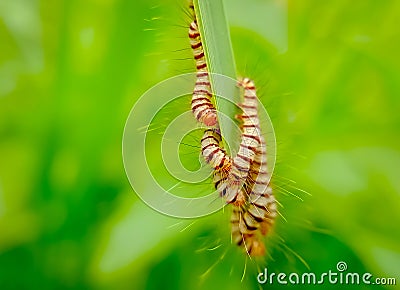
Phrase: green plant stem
x=214 y=31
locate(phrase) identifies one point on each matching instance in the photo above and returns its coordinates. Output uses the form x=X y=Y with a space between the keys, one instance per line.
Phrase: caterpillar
x=253 y=220
x=222 y=163
x=254 y=206
x=218 y=159
x=259 y=212
x=202 y=107
x=235 y=173
x=250 y=142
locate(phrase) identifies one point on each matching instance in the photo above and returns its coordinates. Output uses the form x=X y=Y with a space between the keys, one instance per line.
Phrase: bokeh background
x=70 y=71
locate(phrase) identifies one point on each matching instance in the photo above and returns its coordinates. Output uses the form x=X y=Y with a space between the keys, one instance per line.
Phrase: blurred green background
x=70 y=71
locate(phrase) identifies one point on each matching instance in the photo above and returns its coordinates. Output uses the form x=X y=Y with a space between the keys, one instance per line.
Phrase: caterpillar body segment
x=212 y=151
x=228 y=184
x=245 y=232
x=262 y=203
x=202 y=107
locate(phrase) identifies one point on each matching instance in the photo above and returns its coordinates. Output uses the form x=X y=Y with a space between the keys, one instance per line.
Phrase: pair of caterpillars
x=242 y=180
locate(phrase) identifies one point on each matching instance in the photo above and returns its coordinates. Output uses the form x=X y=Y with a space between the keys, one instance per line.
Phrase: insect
x=243 y=180
x=253 y=220
x=202 y=107
x=232 y=173
x=250 y=141
x=222 y=163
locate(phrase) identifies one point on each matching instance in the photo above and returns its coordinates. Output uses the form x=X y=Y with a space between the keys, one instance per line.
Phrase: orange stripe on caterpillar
x=202 y=107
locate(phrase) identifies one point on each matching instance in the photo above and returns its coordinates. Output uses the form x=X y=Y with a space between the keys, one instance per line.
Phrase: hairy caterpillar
x=254 y=206
x=234 y=175
x=250 y=142
x=202 y=107
x=252 y=219
x=256 y=217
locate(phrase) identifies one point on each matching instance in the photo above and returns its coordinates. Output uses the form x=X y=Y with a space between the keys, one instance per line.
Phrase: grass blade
x=217 y=45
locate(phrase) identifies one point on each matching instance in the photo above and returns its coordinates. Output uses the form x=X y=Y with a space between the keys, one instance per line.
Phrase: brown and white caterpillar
x=254 y=206
x=236 y=172
x=253 y=220
x=250 y=143
x=256 y=216
x=202 y=107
